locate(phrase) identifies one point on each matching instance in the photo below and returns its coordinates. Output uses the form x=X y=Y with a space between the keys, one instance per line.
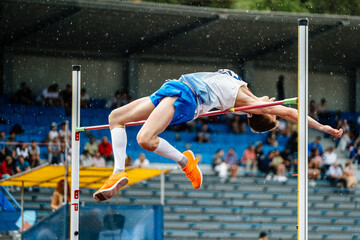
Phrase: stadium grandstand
x=126 y=50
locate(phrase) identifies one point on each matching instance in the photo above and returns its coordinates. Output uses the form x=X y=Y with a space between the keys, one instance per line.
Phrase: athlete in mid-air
x=182 y=100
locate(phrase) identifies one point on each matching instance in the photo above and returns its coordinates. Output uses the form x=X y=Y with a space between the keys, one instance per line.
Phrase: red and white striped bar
x=212 y=113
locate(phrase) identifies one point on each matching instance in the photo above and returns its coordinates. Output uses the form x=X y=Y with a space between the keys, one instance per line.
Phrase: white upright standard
x=75 y=153
x=303 y=130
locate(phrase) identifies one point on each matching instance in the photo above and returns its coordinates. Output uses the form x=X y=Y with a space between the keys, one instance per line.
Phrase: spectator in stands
x=98 y=160
x=249 y=159
x=34 y=153
x=323 y=111
x=21 y=165
x=92 y=146
x=50 y=96
x=11 y=144
x=260 y=158
x=128 y=161
x=203 y=134
x=345 y=141
x=335 y=175
x=22 y=150
x=232 y=161
x=238 y=125
x=350 y=179
x=315 y=164
x=271 y=138
x=283 y=127
x=293 y=143
x=316 y=144
x=84 y=98
x=54 y=151
x=277 y=163
x=2 y=146
x=288 y=159
x=62 y=132
x=66 y=97
x=313 y=110
x=53 y=133
x=141 y=161
x=263 y=236
x=58 y=195
x=355 y=155
x=105 y=148
x=86 y=159
x=219 y=165
x=6 y=167
x=23 y=95
x=119 y=99
x=329 y=158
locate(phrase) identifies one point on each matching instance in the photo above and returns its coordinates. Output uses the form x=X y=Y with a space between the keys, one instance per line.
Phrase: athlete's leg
x=138 y=110
x=148 y=139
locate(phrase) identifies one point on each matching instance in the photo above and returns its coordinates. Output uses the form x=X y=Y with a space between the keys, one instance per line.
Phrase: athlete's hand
x=334 y=132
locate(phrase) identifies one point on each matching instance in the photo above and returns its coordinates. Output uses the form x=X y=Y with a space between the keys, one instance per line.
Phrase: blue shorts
x=185 y=105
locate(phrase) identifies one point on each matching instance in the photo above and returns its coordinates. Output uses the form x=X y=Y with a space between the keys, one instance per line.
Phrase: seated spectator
x=141 y=161
x=315 y=164
x=2 y=146
x=271 y=138
x=6 y=167
x=62 y=132
x=263 y=236
x=128 y=161
x=84 y=98
x=277 y=163
x=98 y=160
x=118 y=100
x=58 y=195
x=231 y=159
x=345 y=140
x=54 y=151
x=329 y=158
x=23 y=95
x=249 y=159
x=92 y=146
x=66 y=97
x=350 y=179
x=238 y=125
x=105 y=148
x=53 y=133
x=219 y=165
x=22 y=150
x=203 y=134
x=313 y=110
x=288 y=160
x=34 y=154
x=316 y=144
x=21 y=165
x=335 y=175
x=86 y=159
x=355 y=155
x=11 y=145
x=50 y=96
x=266 y=167
x=283 y=127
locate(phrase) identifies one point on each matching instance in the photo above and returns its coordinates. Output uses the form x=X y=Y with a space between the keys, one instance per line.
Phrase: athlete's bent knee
x=145 y=141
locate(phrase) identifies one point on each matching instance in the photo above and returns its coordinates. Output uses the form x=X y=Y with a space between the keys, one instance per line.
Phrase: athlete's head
x=262 y=123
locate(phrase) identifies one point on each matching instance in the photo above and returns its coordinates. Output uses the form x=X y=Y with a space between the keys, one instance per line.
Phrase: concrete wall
x=101 y=77
x=333 y=87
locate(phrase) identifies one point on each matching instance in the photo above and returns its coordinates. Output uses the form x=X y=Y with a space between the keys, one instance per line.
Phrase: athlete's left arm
x=291 y=115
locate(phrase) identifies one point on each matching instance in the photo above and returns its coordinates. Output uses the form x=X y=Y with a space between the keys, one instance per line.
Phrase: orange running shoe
x=192 y=170
x=111 y=186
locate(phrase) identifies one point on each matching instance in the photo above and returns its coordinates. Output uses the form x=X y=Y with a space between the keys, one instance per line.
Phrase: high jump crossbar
x=212 y=113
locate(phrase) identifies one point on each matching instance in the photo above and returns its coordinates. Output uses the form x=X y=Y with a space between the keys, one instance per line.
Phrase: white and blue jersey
x=200 y=92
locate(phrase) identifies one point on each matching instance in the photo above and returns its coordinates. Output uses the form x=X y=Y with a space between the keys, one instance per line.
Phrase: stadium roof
x=90 y=177
x=124 y=29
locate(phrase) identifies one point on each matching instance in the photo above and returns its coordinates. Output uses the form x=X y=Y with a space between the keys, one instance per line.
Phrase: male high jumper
x=182 y=100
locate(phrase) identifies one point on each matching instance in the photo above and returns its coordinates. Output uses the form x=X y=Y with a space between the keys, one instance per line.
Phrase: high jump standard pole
x=303 y=129
x=75 y=151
